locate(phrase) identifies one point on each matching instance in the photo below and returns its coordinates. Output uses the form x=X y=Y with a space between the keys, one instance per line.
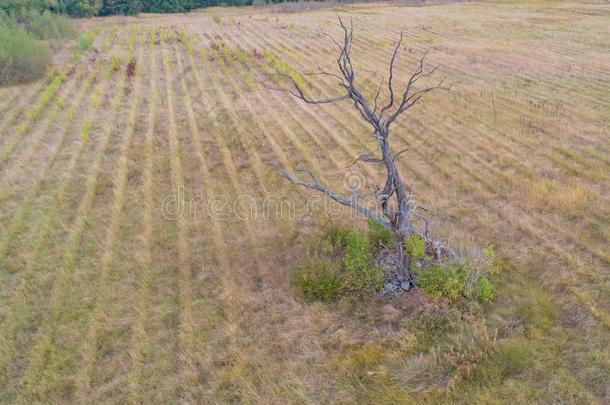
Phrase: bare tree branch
x=317 y=186
x=396 y=156
x=299 y=94
x=366 y=159
x=390 y=87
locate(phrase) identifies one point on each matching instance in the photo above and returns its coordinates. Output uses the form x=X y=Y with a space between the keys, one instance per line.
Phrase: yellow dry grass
x=106 y=298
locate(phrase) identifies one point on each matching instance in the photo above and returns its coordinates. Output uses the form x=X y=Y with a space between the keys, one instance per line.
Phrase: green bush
x=22 y=57
x=482 y=289
x=338 y=262
x=316 y=280
x=356 y=251
x=361 y=274
x=336 y=236
x=379 y=236
x=50 y=26
x=443 y=281
x=450 y=281
x=342 y=261
x=415 y=247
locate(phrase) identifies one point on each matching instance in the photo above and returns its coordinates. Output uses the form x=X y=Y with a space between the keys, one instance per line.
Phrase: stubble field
x=129 y=274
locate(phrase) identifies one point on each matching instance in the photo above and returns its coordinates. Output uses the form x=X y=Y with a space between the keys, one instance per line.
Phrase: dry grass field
x=113 y=291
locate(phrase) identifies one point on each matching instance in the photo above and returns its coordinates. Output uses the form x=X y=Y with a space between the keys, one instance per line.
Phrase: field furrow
x=55 y=346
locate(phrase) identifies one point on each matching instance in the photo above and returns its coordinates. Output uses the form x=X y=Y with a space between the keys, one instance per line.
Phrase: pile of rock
x=394 y=283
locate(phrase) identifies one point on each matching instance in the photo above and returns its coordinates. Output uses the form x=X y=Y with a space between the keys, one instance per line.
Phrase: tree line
x=84 y=8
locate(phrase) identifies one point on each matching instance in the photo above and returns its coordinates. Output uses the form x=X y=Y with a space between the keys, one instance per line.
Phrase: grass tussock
x=570 y=198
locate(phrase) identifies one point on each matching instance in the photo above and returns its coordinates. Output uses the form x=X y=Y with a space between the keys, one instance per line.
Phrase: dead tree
x=398 y=210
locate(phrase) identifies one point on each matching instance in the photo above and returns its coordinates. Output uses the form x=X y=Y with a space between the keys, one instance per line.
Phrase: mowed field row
x=112 y=291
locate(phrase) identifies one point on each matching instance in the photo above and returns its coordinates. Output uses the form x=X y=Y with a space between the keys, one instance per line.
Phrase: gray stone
x=405 y=285
x=392 y=288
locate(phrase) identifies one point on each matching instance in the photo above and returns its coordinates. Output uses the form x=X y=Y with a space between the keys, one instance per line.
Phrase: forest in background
x=84 y=8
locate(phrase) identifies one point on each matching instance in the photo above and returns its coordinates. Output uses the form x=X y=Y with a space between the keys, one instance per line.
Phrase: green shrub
x=316 y=280
x=338 y=262
x=22 y=57
x=379 y=236
x=443 y=281
x=482 y=289
x=51 y=26
x=336 y=236
x=415 y=247
x=356 y=251
x=361 y=274
x=450 y=281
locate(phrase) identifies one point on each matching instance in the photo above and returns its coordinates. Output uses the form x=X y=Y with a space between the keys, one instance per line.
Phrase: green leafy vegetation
x=455 y=280
x=123 y=7
x=84 y=8
x=48 y=93
x=415 y=247
x=184 y=39
x=50 y=26
x=482 y=289
x=113 y=66
x=361 y=274
x=22 y=57
x=277 y=67
x=379 y=236
x=316 y=280
x=85 y=41
x=337 y=263
x=26 y=37
x=341 y=261
x=443 y=281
